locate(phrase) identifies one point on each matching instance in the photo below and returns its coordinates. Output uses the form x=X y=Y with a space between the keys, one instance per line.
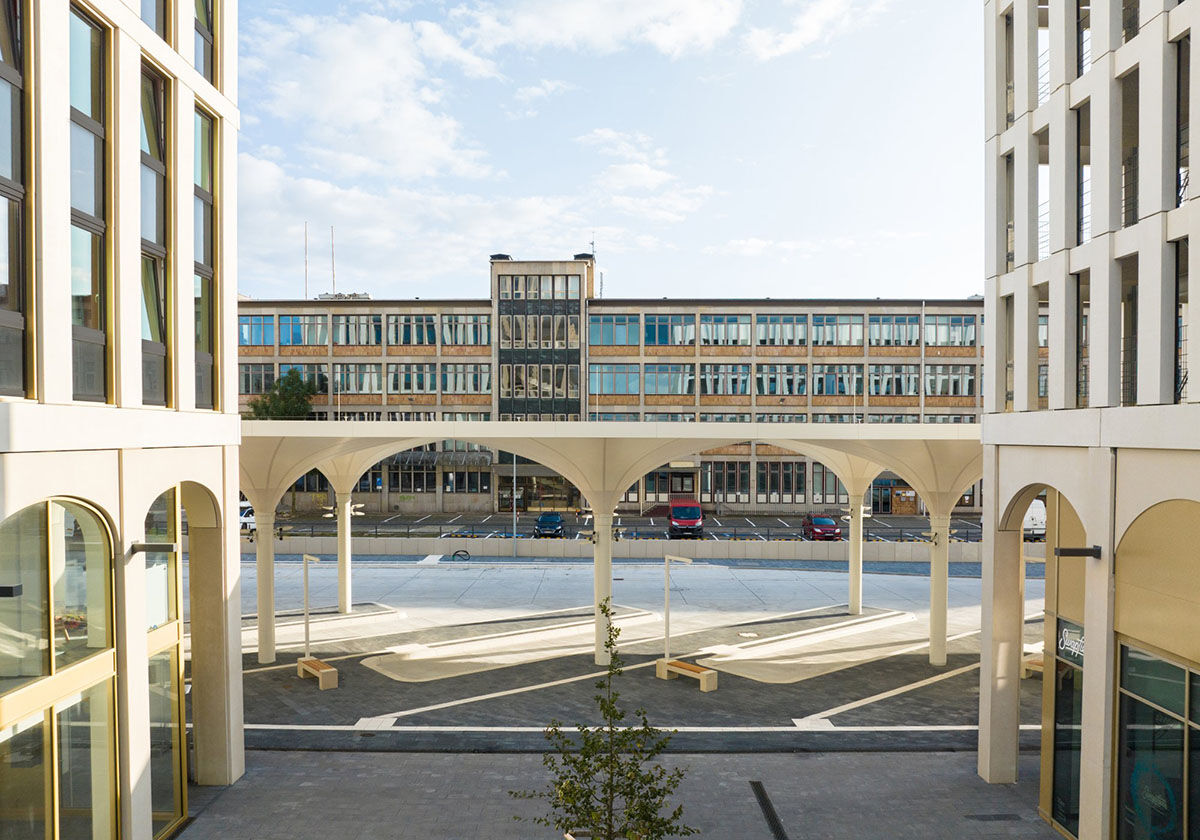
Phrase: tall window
x=357 y=378
x=724 y=379
x=12 y=202
x=613 y=379
x=154 y=239
x=205 y=258
x=950 y=330
x=670 y=329
x=154 y=13
x=670 y=379
x=467 y=378
x=894 y=330
x=255 y=377
x=89 y=299
x=781 y=330
x=418 y=378
x=827 y=488
x=317 y=374
x=308 y=330
x=895 y=380
x=358 y=330
x=256 y=330
x=781 y=380
x=725 y=329
x=412 y=329
x=837 y=330
x=613 y=330
x=949 y=380
x=205 y=58
x=467 y=329
x=837 y=380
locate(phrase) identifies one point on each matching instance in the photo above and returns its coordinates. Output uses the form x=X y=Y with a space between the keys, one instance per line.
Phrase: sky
x=709 y=148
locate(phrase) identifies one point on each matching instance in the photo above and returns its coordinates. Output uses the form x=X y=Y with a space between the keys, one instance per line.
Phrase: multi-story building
x=118 y=415
x=544 y=347
x=1090 y=215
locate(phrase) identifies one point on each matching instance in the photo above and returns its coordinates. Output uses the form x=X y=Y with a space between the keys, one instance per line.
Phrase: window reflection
x=79 y=568
x=86 y=795
x=23 y=586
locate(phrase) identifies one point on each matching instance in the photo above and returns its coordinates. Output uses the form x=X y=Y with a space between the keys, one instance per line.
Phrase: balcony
x=1130 y=19
x=1043 y=77
x=1043 y=230
x=1129 y=189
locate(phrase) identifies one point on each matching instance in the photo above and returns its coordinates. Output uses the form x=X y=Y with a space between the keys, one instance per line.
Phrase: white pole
x=306 y=606
x=667 y=609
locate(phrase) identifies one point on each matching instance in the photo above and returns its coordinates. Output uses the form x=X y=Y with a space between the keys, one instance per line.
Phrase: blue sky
x=796 y=148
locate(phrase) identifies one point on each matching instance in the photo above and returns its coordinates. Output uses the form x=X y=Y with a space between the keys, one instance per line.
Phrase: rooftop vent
x=344 y=296
x=495 y=257
x=585 y=256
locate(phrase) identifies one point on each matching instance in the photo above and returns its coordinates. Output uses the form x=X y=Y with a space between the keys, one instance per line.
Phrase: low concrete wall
x=639 y=549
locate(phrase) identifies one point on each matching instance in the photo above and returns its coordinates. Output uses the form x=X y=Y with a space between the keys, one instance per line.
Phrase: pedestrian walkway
x=815 y=796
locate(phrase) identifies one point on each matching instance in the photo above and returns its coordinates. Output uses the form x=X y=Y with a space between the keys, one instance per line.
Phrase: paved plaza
x=440 y=660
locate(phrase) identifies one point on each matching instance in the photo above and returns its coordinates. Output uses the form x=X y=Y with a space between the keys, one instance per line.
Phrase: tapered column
x=1000 y=658
x=602 y=572
x=264 y=522
x=344 y=517
x=856 y=554
x=939 y=579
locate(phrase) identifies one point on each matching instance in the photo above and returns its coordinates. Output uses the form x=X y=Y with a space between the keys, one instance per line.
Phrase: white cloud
x=673 y=27
x=543 y=89
x=634 y=176
x=673 y=205
x=627 y=145
x=818 y=21
x=755 y=246
x=357 y=94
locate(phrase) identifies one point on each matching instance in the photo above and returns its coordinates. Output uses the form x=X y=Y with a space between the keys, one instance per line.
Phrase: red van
x=686 y=519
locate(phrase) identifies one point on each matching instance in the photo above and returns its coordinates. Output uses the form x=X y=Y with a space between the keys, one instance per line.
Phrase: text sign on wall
x=1069 y=643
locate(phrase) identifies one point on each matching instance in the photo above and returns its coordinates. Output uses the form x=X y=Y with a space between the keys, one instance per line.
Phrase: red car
x=817 y=527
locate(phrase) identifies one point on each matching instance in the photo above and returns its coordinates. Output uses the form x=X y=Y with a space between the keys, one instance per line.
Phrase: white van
x=1034 y=524
x=246 y=518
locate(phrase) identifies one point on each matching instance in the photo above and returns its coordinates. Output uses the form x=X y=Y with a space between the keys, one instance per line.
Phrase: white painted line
x=822 y=725
x=882 y=522
x=492 y=534
x=718 y=521
x=761 y=537
x=455 y=519
x=430 y=560
x=715 y=537
x=651 y=520
x=422 y=519
x=751 y=521
x=486 y=518
x=895 y=692
x=781 y=522
x=390 y=518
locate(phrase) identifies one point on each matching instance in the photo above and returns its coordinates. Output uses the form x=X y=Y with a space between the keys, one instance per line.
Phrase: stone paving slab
x=817 y=796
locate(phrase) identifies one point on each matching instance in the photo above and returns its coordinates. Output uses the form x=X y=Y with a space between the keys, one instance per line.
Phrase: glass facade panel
x=87 y=279
x=23 y=601
x=87 y=51
x=87 y=171
x=1154 y=679
x=23 y=780
x=1068 y=731
x=166 y=741
x=161 y=589
x=1150 y=776
x=86 y=793
x=81 y=572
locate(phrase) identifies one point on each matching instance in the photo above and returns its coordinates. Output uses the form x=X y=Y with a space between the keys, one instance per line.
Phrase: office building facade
x=544 y=347
x=1090 y=213
x=117 y=304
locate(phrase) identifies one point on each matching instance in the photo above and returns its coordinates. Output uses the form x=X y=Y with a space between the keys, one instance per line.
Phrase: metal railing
x=1043 y=230
x=1083 y=44
x=1008 y=386
x=1181 y=371
x=1129 y=370
x=1182 y=170
x=1084 y=206
x=1129 y=189
x=1082 y=369
x=1130 y=19
x=1043 y=77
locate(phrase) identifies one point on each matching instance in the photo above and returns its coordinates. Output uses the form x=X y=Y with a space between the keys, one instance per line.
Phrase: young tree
x=600 y=782
x=288 y=399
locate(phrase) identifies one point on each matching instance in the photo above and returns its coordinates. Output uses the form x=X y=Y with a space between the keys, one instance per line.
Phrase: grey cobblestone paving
x=822 y=796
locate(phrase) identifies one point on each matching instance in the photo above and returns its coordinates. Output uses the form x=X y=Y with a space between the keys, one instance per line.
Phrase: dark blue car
x=549 y=525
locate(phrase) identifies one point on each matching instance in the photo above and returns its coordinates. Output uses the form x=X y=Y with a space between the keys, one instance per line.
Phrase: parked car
x=246 y=518
x=1034 y=524
x=548 y=525
x=685 y=519
x=818 y=527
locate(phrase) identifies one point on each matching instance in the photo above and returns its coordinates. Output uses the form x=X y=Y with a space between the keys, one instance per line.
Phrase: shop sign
x=1069 y=644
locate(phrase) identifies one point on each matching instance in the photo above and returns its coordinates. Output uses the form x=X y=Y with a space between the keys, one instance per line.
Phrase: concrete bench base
x=326 y=674
x=669 y=669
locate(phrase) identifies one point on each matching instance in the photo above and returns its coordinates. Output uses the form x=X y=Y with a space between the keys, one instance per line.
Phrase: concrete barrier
x=367 y=547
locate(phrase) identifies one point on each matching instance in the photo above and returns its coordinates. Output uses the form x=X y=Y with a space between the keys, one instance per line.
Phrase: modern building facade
x=544 y=347
x=118 y=420
x=1089 y=107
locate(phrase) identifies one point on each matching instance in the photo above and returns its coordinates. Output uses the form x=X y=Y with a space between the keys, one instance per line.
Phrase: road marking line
x=751 y=521
x=651 y=520
x=455 y=519
x=761 y=537
x=715 y=537
x=781 y=522
x=422 y=519
x=718 y=521
x=390 y=518
x=430 y=560
x=486 y=518
x=492 y=534
x=895 y=692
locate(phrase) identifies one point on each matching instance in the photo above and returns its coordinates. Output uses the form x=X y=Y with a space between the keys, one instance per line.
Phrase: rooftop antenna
x=332 y=261
x=306 y=260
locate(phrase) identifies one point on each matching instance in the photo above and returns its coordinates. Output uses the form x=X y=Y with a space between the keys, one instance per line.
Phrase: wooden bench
x=669 y=669
x=326 y=674
x=1031 y=662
